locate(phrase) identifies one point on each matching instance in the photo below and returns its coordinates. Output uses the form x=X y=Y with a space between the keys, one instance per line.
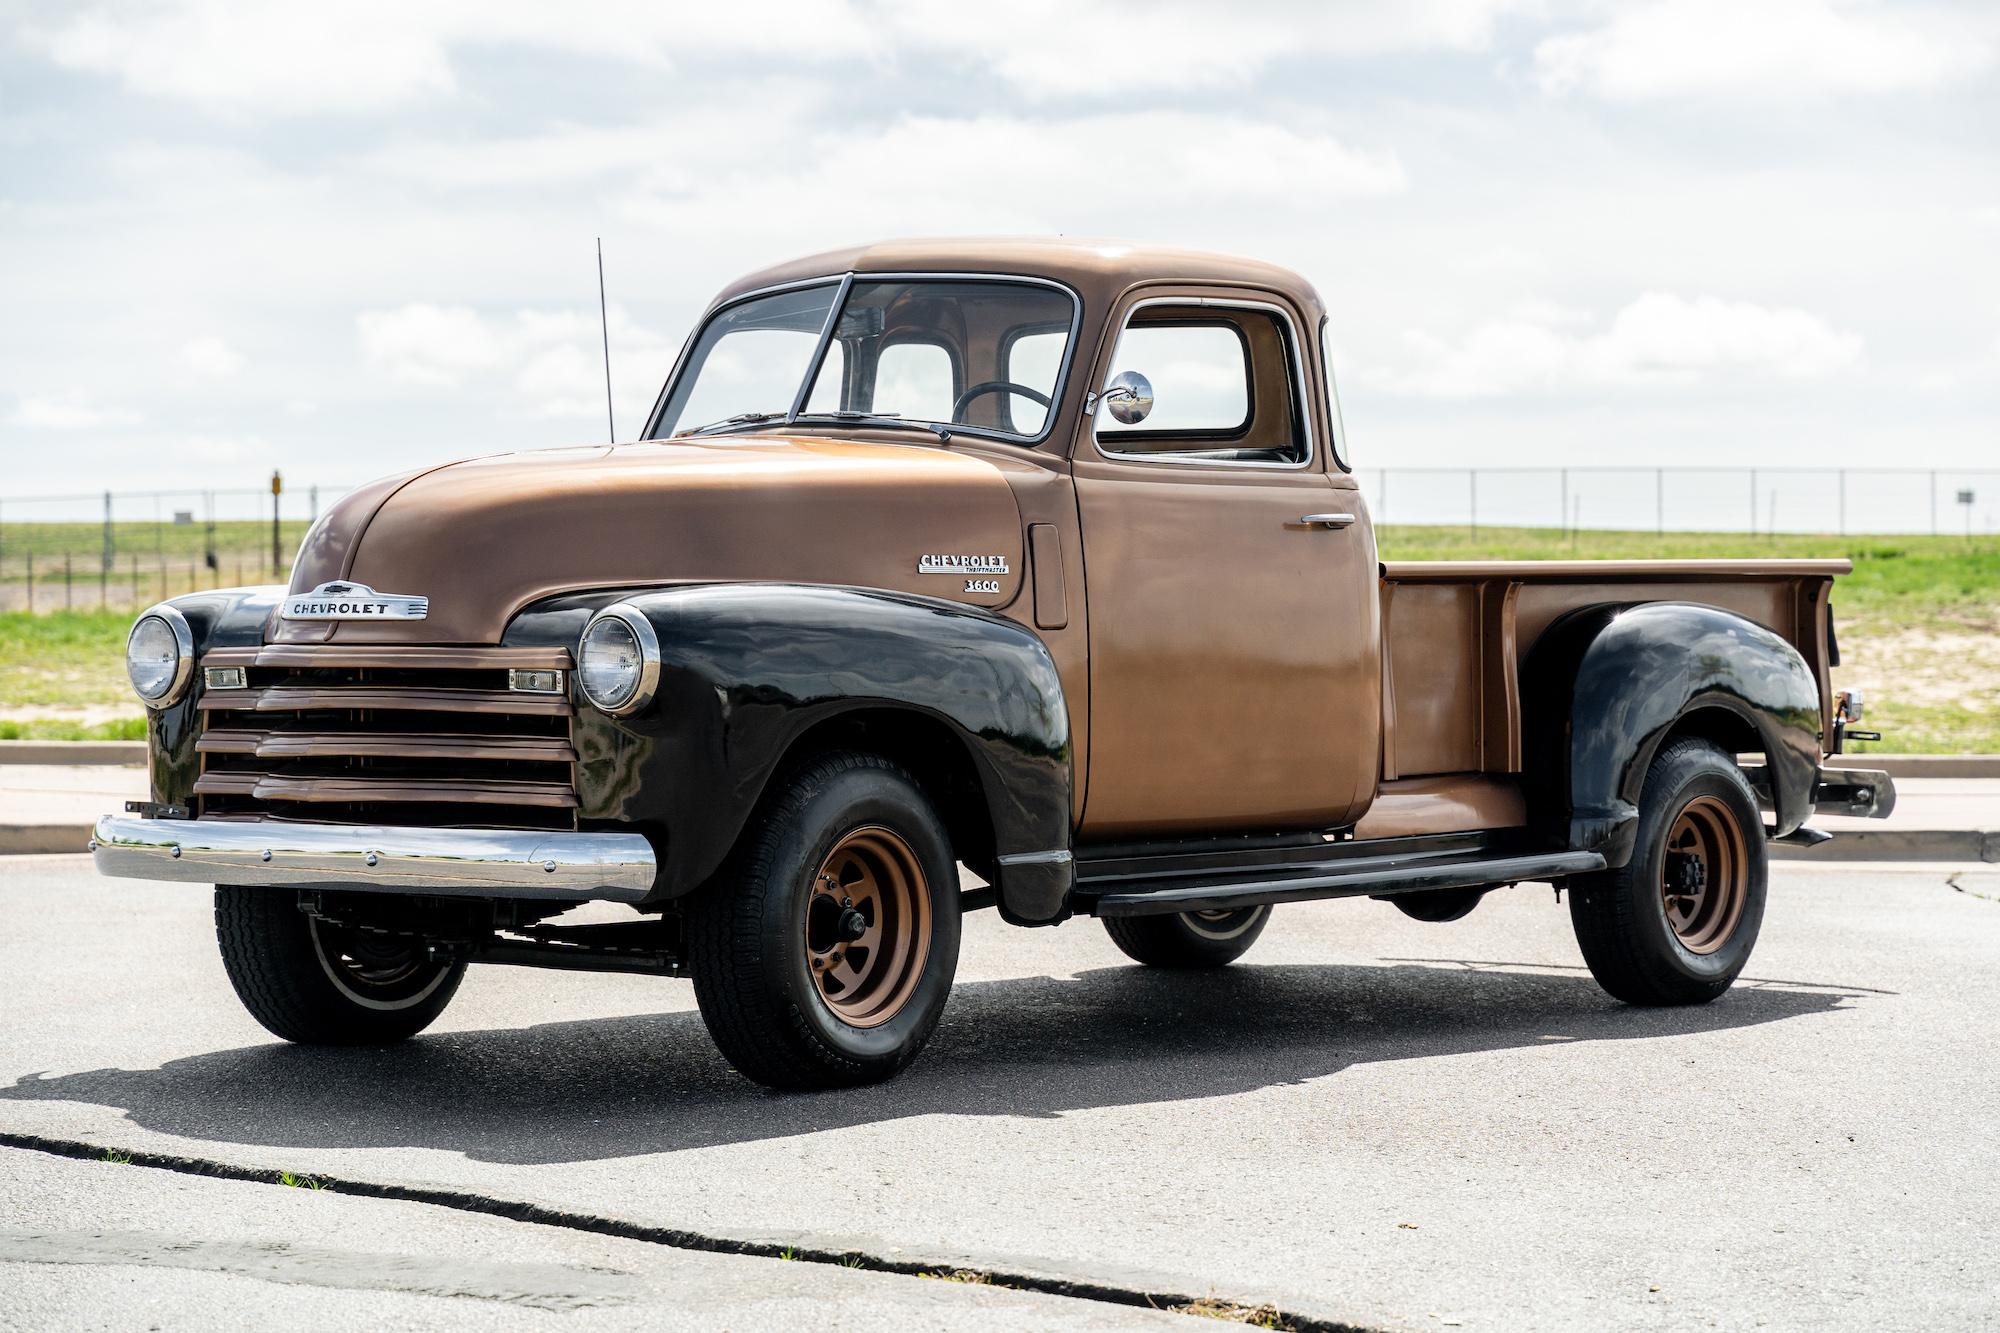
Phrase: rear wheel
x=824 y=953
x=313 y=982
x=1188 y=939
x=1676 y=925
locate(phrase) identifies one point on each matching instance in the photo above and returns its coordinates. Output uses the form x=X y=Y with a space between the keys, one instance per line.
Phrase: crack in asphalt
x=13 y=1245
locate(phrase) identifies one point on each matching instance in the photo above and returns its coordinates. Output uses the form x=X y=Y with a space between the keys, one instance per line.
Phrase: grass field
x=1919 y=623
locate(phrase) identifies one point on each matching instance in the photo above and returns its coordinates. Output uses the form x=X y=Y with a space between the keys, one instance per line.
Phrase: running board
x=1347 y=877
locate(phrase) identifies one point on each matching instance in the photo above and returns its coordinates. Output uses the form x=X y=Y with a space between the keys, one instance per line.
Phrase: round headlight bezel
x=641 y=630
x=183 y=637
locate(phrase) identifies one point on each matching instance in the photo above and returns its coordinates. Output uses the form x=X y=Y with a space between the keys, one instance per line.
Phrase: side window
x=914 y=380
x=1207 y=384
x=1200 y=375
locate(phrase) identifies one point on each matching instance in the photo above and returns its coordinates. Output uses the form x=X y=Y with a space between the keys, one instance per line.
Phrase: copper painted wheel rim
x=1704 y=905
x=868 y=927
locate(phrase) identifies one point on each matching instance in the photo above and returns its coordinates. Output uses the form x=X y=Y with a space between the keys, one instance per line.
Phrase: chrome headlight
x=618 y=661
x=159 y=656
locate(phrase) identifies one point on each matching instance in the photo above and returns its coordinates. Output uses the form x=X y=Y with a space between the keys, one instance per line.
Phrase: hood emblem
x=352 y=601
x=962 y=564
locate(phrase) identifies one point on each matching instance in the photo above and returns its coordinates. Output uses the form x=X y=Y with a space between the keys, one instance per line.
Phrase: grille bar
x=393 y=697
x=275 y=787
x=404 y=745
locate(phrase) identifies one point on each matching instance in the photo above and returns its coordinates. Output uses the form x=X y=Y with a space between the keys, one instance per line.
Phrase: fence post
x=1562 y=519
x=277 y=489
x=109 y=549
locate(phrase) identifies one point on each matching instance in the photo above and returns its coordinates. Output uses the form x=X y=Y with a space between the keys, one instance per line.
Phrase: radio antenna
x=604 y=326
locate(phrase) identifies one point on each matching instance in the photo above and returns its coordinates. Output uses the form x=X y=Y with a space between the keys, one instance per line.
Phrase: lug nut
x=369 y=859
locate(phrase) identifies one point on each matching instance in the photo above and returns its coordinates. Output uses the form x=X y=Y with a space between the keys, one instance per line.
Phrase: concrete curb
x=27 y=839
x=1977 y=845
x=1923 y=765
x=72 y=752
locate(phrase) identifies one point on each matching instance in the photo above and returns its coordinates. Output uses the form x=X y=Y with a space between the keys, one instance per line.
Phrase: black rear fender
x=1604 y=686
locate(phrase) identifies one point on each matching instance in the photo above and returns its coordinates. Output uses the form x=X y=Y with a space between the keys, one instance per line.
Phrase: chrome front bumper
x=464 y=863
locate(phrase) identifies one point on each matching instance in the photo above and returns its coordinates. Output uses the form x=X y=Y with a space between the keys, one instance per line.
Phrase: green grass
x=64 y=658
x=299 y=1182
x=150 y=542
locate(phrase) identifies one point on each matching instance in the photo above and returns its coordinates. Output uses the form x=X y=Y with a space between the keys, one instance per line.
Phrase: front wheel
x=1188 y=939
x=1676 y=924
x=320 y=984
x=824 y=953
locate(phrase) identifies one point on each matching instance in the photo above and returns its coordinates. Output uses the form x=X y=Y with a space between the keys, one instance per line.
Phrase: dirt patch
x=1923 y=668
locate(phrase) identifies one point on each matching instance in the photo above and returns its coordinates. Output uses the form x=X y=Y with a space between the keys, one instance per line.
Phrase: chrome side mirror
x=1129 y=397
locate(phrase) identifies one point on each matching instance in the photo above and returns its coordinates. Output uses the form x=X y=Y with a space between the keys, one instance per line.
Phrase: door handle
x=1328 y=520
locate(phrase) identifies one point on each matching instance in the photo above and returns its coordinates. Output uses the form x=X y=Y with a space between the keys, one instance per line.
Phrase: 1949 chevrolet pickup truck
x=1042 y=557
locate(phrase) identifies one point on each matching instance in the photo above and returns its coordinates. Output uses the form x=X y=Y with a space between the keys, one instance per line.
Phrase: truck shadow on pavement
x=1034 y=1046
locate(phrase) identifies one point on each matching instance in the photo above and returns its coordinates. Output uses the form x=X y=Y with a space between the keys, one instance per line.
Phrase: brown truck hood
x=484 y=538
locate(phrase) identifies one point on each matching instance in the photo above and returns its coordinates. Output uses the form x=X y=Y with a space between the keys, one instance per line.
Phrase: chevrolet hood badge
x=352 y=601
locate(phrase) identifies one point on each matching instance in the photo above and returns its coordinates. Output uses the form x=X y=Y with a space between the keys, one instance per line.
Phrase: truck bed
x=1455 y=636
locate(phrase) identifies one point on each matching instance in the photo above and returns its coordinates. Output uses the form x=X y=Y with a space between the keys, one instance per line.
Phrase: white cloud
x=279 y=56
x=427 y=344
x=1762 y=50
x=71 y=412
x=554 y=357
x=1657 y=339
x=212 y=356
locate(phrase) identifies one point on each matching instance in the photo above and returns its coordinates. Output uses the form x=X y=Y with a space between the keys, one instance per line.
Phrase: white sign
x=352 y=601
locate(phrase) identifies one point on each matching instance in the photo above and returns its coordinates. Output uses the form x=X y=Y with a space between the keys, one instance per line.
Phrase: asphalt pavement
x=1369 y=1121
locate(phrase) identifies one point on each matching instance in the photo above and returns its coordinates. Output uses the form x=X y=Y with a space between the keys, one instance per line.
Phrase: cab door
x=1234 y=681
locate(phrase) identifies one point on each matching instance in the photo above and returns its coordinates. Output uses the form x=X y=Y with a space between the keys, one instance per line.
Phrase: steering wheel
x=992 y=386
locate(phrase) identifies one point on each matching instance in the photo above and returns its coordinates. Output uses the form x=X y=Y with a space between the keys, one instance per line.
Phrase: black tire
x=1188 y=939
x=1652 y=934
x=792 y=998
x=324 y=985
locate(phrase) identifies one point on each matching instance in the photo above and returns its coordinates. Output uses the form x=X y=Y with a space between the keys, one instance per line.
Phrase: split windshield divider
x=819 y=352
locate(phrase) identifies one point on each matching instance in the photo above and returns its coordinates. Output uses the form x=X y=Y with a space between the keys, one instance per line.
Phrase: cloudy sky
x=342 y=239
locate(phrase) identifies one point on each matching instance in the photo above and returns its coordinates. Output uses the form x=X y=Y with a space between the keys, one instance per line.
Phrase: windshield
x=981 y=354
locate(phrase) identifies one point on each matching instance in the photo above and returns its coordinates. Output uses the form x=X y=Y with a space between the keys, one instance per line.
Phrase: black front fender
x=748 y=669
x=1605 y=685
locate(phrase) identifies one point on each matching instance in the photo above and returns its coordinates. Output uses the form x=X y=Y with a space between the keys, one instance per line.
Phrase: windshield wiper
x=869 y=419
x=740 y=419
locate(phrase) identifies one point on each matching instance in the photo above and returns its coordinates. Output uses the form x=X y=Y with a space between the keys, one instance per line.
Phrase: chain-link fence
x=126 y=549
x=1672 y=499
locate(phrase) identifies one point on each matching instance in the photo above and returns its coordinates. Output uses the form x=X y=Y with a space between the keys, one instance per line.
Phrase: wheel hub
x=868 y=927
x=1704 y=876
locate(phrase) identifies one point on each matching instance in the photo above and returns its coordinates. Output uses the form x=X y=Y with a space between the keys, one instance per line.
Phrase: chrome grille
x=388 y=735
